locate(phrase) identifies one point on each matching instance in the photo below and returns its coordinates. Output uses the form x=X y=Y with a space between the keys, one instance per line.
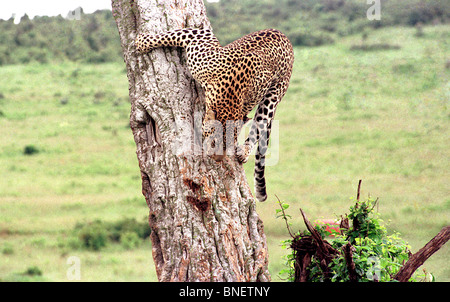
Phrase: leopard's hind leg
x=260 y=133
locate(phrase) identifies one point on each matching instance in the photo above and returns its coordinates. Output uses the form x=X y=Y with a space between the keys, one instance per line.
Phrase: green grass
x=379 y=115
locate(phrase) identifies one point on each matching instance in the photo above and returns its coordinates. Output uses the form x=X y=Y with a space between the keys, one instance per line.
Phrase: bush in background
x=94 y=37
x=98 y=234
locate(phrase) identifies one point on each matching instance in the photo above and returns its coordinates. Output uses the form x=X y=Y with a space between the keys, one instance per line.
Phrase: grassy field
x=381 y=114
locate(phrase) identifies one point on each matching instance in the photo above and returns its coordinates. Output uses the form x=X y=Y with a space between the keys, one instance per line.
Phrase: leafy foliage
x=91 y=39
x=377 y=256
x=33 y=271
x=94 y=38
x=97 y=234
x=317 y=22
x=93 y=235
x=30 y=150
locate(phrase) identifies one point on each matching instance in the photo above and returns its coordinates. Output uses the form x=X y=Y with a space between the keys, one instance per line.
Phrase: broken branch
x=416 y=260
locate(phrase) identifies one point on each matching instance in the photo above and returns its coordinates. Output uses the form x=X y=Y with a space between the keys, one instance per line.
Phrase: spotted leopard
x=252 y=71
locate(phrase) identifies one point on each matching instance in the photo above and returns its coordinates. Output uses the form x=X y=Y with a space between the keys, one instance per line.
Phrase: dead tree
x=417 y=259
x=307 y=246
x=202 y=212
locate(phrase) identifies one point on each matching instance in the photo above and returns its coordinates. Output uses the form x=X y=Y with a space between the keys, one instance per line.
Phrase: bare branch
x=416 y=260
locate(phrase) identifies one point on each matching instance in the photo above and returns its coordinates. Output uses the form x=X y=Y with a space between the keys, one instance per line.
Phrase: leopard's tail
x=260 y=162
x=260 y=181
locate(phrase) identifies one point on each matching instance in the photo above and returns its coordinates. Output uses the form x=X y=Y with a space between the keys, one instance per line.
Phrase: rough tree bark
x=202 y=213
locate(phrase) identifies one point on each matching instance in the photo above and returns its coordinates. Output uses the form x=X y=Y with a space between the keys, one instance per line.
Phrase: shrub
x=129 y=240
x=30 y=150
x=93 y=235
x=128 y=225
x=377 y=256
x=33 y=271
x=97 y=234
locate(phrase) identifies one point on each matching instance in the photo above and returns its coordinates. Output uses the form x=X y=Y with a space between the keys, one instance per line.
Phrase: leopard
x=250 y=73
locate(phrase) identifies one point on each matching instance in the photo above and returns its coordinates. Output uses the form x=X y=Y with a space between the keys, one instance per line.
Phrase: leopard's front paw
x=242 y=153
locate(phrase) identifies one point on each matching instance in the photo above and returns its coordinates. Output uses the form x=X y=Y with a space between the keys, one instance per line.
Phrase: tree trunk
x=202 y=213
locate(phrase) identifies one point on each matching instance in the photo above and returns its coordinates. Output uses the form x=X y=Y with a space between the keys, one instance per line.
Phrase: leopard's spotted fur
x=254 y=70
